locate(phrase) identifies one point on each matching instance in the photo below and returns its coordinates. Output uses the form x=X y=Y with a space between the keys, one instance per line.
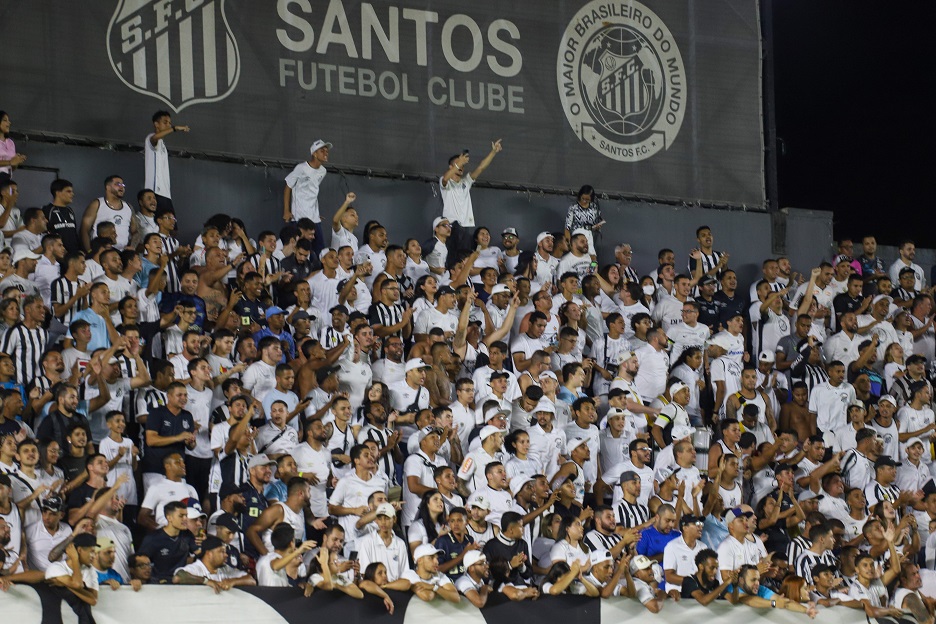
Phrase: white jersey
x=120 y=218
x=157 y=167
x=305 y=181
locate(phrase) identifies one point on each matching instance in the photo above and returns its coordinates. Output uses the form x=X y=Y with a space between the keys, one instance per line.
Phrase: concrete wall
x=202 y=188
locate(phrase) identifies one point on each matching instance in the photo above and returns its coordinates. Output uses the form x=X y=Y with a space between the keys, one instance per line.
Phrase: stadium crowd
x=341 y=408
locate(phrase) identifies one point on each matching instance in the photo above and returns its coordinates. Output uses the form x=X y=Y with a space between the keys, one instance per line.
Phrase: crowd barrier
x=200 y=605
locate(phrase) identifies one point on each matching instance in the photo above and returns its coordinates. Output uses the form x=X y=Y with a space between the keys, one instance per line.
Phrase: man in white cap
x=546 y=264
x=498 y=306
x=455 y=185
x=474 y=583
x=725 y=370
x=673 y=413
x=418 y=471
x=436 y=250
x=471 y=474
x=737 y=550
x=384 y=546
x=24 y=265
x=547 y=442
x=647 y=575
x=876 y=320
x=426 y=581
x=301 y=195
x=410 y=395
x=577 y=260
x=913 y=473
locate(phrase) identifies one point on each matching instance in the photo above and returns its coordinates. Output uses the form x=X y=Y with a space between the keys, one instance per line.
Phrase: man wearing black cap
x=43 y=536
x=857 y=464
x=884 y=487
x=630 y=512
x=74 y=580
x=915 y=373
x=438 y=316
x=679 y=554
x=212 y=570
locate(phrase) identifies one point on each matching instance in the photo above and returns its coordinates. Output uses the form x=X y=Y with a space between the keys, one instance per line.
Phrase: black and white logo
x=179 y=51
x=621 y=80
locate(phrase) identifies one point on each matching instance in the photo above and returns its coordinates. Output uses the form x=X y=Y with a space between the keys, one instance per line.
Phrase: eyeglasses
x=119 y=184
x=143 y=565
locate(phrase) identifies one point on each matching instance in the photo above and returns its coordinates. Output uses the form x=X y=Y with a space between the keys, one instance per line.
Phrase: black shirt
x=166 y=424
x=72 y=466
x=256 y=505
x=249 y=311
x=55 y=425
x=451 y=550
x=708 y=312
x=80 y=496
x=729 y=307
x=168 y=554
x=62 y=222
x=843 y=303
x=499 y=552
x=691 y=584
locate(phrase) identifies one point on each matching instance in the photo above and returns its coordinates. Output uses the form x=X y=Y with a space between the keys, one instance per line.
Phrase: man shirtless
x=210 y=285
x=795 y=414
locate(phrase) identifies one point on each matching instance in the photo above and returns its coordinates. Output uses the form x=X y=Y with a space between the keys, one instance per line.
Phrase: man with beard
x=110 y=208
x=162 y=492
x=376 y=430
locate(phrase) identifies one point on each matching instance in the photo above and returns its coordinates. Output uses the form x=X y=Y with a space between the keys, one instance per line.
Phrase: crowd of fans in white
x=323 y=408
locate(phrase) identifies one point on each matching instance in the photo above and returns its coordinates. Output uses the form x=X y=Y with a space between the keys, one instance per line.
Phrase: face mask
x=657 y=572
x=648 y=290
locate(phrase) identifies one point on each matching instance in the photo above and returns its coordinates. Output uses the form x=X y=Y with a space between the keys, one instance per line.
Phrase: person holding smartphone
x=585 y=214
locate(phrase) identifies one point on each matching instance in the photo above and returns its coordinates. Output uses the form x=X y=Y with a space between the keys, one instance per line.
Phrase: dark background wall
x=202 y=188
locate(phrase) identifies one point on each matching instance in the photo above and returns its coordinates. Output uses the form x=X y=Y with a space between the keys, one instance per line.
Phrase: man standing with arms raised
x=456 y=184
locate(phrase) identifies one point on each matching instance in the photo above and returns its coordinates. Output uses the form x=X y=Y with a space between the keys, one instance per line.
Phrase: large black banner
x=659 y=98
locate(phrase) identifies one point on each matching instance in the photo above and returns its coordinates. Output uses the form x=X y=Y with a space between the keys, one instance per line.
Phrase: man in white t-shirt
x=156 y=158
x=455 y=185
x=301 y=195
x=426 y=581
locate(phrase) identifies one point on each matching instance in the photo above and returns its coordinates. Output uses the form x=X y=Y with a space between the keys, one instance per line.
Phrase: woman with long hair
x=325 y=576
x=569 y=542
x=570 y=315
x=688 y=368
x=9 y=315
x=526 y=267
x=416 y=266
x=426 y=288
x=430 y=521
x=543 y=543
x=563 y=578
x=517 y=444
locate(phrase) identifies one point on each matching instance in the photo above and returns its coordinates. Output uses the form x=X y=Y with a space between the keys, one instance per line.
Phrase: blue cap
x=274 y=310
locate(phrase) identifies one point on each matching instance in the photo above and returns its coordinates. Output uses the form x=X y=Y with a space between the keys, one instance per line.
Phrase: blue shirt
x=652 y=542
x=714 y=531
x=285 y=336
x=99 y=337
x=109 y=575
x=762 y=592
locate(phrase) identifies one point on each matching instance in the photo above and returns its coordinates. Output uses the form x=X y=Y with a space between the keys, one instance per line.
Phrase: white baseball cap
x=542 y=236
x=414 y=364
x=500 y=288
x=487 y=431
x=472 y=557
x=319 y=144
x=425 y=550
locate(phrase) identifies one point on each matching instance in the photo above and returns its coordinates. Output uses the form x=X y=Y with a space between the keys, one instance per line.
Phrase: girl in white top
x=568 y=546
x=520 y=463
x=426 y=288
x=488 y=256
x=325 y=575
x=893 y=363
x=430 y=521
x=415 y=267
x=121 y=455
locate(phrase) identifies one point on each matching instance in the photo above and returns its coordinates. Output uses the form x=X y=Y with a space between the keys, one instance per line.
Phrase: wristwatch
x=773 y=604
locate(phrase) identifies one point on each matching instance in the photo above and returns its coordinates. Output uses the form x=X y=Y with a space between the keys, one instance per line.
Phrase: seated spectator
x=210 y=569
x=703 y=585
x=646 y=576
x=324 y=575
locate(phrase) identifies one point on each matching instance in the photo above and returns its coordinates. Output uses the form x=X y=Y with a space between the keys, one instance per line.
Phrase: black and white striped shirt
x=797 y=546
x=628 y=274
x=875 y=493
x=272 y=264
x=808 y=560
x=630 y=515
x=170 y=246
x=42 y=382
x=709 y=262
x=128 y=370
x=26 y=347
x=331 y=338
x=382 y=438
x=600 y=541
x=386 y=316
x=62 y=291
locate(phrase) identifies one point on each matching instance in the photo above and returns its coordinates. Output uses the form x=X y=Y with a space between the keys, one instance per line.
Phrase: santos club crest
x=179 y=51
x=621 y=80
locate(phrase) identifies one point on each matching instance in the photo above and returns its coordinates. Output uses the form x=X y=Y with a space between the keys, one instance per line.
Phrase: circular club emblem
x=621 y=80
